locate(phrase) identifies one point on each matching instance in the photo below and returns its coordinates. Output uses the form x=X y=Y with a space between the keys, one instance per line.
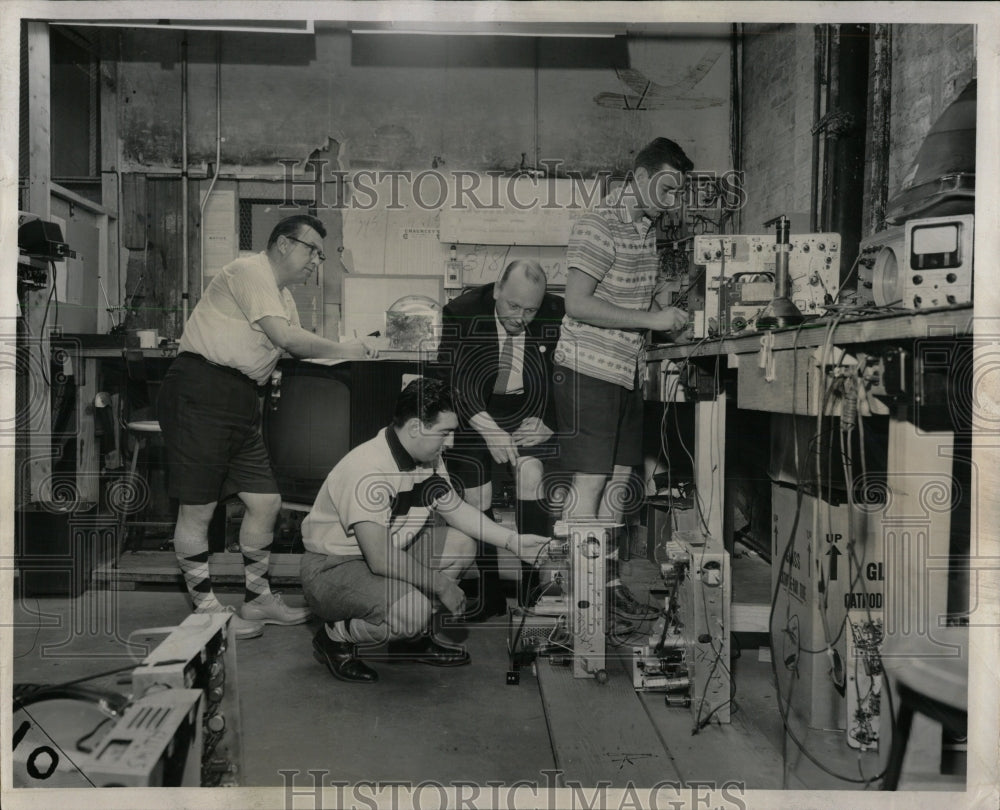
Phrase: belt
x=226 y=369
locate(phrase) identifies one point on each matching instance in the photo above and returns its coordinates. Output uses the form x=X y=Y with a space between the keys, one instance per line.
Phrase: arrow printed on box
x=833 y=554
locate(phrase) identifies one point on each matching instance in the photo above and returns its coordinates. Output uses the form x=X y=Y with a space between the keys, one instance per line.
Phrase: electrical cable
x=55 y=744
x=46 y=361
x=512 y=645
x=716 y=395
x=38 y=632
x=697 y=497
x=846 y=278
x=81 y=740
x=782 y=705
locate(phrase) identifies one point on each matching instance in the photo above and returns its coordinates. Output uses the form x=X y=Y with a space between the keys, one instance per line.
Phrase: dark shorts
x=211 y=422
x=600 y=423
x=469 y=462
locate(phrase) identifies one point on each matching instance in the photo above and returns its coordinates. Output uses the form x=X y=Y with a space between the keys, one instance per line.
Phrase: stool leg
x=135 y=456
x=120 y=528
x=900 y=737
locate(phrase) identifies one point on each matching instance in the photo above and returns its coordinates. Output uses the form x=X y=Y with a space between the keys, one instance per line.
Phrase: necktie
x=505 y=367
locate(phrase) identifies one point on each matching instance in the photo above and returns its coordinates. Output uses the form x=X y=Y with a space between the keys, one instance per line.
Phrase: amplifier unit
x=938 y=268
x=590 y=542
x=740 y=271
x=703 y=604
x=157 y=743
x=200 y=653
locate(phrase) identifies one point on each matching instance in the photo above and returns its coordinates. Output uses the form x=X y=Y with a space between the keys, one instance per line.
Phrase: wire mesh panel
x=23 y=147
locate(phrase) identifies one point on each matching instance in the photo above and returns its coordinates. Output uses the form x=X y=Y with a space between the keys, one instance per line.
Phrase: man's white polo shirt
x=378 y=481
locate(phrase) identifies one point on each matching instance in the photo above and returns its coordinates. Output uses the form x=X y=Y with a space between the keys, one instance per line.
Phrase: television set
x=307 y=426
x=318 y=413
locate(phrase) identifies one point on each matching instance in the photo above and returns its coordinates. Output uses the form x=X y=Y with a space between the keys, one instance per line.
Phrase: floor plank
x=160 y=567
x=601 y=732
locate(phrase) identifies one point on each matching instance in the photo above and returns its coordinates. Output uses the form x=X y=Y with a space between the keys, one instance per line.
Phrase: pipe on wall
x=848 y=139
x=736 y=111
x=818 y=79
x=218 y=157
x=184 y=183
x=832 y=102
x=876 y=194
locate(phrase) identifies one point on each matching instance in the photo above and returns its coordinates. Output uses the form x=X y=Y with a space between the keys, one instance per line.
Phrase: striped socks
x=192 y=557
x=256 y=548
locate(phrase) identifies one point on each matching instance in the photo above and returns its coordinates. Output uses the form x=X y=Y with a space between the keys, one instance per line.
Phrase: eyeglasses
x=313 y=250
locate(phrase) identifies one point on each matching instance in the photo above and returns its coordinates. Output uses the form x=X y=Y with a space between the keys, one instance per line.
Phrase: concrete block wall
x=777 y=118
x=406 y=103
x=931 y=65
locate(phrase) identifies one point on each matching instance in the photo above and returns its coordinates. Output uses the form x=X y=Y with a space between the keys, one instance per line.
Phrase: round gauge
x=591 y=548
x=887 y=286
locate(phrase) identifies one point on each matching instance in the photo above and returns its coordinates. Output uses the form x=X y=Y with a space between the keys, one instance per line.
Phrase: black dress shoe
x=423 y=650
x=341 y=659
x=623 y=603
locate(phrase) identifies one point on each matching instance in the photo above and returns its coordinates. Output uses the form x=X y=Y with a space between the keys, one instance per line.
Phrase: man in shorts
x=209 y=410
x=612 y=278
x=388 y=538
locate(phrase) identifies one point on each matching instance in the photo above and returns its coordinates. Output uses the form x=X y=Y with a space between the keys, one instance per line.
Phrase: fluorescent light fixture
x=245 y=26
x=595 y=30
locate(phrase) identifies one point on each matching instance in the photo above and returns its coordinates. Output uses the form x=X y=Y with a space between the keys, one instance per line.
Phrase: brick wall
x=931 y=65
x=777 y=117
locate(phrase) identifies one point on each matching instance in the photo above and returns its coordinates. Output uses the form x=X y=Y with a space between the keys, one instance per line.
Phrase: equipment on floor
x=568 y=620
x=200 y=653
x=688 y=651
x=823 y=571
x=157 y=743
x=590 y=542
x=180 y=727
x=54 y=728
x=864 y=678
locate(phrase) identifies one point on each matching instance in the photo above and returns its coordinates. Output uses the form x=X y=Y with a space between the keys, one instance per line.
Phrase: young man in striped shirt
x=613 y=269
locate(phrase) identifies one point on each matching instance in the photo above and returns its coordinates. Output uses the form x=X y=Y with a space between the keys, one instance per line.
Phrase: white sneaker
x=270 y=609
x=244 y=628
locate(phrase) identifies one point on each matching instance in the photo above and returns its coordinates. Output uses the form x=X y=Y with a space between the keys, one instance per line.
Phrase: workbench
x=915 y=523
x=98 y=360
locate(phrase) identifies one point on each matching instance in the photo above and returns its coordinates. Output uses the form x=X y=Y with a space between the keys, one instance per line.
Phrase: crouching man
x=388 y=539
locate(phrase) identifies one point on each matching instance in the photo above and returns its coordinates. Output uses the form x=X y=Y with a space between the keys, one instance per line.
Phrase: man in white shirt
x=210 y=412
x=388 y=538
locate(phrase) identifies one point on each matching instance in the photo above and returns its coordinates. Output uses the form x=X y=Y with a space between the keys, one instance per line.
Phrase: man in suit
x=498 y=341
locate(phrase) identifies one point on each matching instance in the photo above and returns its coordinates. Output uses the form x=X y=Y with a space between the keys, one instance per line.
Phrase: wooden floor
x=136 y=569
x=418 y=722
